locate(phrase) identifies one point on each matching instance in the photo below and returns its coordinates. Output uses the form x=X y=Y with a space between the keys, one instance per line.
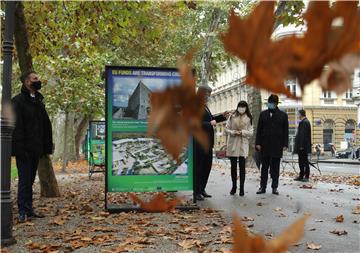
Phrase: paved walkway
x=272 y=214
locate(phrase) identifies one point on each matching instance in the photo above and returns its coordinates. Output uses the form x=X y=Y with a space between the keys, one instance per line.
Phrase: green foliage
x=292 y=13
x=71 y=42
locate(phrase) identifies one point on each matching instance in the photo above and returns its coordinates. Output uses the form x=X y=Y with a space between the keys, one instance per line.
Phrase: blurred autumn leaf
x=271 y=62
x=176 y=113
x=244 y=243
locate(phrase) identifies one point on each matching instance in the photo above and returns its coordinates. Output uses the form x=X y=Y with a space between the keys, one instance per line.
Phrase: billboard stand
x=134 y=161
x=119 y=209
x=95 y=147
x=111 y=208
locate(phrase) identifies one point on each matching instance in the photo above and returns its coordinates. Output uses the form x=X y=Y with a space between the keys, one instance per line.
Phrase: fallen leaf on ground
x=58 y=221
x=319 y=220
x=245 y=218
x=157 y=204
x=339 y=232
x=244 y=243
x=312 y=245
x=306 y=186
x=176 y=113
x=339 y=218
x=356 y=210
x=188 y=244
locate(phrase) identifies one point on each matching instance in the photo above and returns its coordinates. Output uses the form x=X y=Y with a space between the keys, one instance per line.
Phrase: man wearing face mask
x=203 y=159
x=271 y=139
x=32 y=138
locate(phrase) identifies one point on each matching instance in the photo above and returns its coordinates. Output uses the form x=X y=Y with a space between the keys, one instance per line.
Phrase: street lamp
x=6 y=128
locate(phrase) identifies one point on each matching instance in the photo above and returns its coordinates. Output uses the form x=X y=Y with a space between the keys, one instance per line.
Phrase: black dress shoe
x=298 y=179
x=35 y=215
x=198 y=197
x=241 y=193
x=206 y=195
x=261 y=191
x=22 y=218
x=233 y=191
x=275 y=191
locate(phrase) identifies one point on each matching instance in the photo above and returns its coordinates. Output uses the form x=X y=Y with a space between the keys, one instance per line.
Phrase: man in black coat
x=32 y=138
x=271 y=139
x=202 y=158
x=303 y=146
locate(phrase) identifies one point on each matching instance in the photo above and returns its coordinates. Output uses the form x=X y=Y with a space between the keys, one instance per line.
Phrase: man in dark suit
x=32 y=138
x=271 y=139
x=303 y=146
x=202 y=158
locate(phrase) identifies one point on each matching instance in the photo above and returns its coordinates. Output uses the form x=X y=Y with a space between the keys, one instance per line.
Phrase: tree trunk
x=65 y=157
x=59 y=132
x=80 y=133
x=206 y=55
x=22 y=40
x=48 y=183
x=254 y=101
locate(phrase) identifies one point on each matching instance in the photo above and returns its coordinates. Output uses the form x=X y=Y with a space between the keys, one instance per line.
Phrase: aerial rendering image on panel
x=137 y=154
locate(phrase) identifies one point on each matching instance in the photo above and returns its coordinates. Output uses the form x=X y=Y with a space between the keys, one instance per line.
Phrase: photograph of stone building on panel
x=131 y=95
x=138 y=104
x=137 y=154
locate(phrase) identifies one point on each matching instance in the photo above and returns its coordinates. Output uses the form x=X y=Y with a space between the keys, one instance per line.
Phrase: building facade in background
x=334 y=118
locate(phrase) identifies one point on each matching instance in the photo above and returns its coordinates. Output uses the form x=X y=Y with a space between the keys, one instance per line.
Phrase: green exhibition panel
x=136 y=162
x=95 y=143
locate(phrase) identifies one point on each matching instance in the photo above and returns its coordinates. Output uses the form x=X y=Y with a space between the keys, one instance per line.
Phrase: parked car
x=347 y=153
x=221 y=154
x=343 y=154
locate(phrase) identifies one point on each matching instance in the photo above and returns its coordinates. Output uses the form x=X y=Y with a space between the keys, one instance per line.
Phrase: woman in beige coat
x=239 y=129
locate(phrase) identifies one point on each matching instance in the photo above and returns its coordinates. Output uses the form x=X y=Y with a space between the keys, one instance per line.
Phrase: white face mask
x=241 y=110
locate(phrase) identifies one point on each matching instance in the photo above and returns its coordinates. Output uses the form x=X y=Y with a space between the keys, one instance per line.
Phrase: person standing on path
x=303 y=146
x=203 y=159
x=239 y=129
x=32 y=138
x=272 y=137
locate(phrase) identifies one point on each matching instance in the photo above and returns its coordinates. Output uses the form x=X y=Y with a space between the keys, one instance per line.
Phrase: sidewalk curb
x=339 y=162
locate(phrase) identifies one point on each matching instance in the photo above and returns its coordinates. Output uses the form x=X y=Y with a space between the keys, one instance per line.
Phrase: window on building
x=291 y=85
x=327 y=94
x=328 y=134
x=348 y=94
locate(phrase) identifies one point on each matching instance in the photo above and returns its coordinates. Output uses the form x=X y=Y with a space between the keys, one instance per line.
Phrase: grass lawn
x=14 y=173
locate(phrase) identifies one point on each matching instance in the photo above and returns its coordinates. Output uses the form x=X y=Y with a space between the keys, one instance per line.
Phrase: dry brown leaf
x=356 y=210
x=188 y=244
x=176 y=113
x=337 y=75
x=339 y=232
x=339 y=218
x=312 y=245
x=243 y=243
x=32 y=245
x=4 y=250
x=58 y=221
x=157 y=204
x=306 y=186
x=250 y=40
x=245 y=218
x=270 y=63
